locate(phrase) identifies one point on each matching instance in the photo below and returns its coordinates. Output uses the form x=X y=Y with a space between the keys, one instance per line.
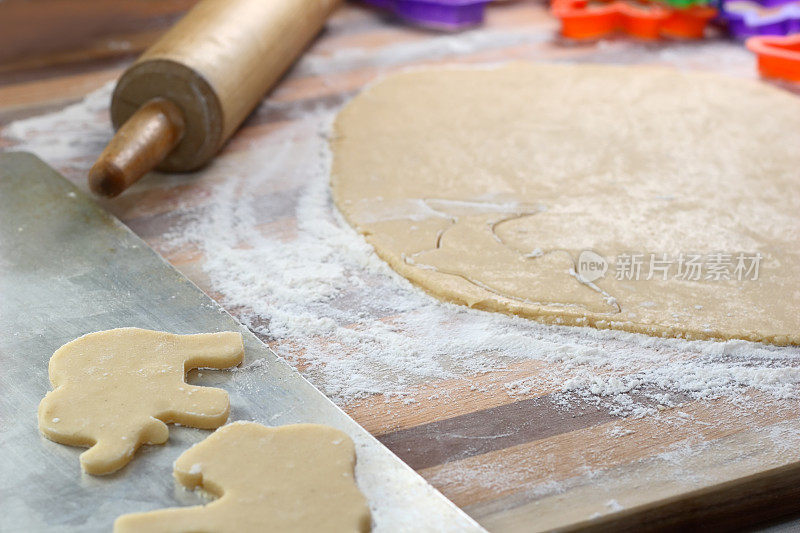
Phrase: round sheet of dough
x=641 y=199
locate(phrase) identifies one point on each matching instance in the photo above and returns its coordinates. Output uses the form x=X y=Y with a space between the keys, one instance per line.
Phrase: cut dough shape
x=116 y=390
x=289 y=478
x=484 y=185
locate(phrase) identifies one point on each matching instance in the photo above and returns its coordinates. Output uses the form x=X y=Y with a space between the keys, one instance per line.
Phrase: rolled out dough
x=290 y=478
x=484 y=187
x=115 y=390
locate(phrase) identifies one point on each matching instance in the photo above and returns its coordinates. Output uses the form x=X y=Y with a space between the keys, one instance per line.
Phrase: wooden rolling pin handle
x=145 y=139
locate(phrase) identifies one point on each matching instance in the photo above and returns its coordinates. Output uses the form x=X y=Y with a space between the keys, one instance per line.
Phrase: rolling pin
x=175 y=107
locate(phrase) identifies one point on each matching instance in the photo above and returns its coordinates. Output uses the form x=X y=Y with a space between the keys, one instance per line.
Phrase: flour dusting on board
x=323 y=300
x=318 y=294
x=68 y=135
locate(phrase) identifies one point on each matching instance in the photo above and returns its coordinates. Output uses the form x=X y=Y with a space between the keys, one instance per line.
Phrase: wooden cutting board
x=514 y=463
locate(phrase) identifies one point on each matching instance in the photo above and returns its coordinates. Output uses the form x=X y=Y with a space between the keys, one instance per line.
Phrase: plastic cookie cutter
x=778 y=57
x=587 y=19
x=447 y=15
x=745 y=18
x=688 y=22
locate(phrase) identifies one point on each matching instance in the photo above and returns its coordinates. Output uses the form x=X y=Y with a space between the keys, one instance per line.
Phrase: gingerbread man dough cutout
x=295 y=478
x=116 y=390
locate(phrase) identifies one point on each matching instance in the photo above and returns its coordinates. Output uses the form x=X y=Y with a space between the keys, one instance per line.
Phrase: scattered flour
x=317 y=293
x=66 y=136
x=324 y=301
x=613 y=505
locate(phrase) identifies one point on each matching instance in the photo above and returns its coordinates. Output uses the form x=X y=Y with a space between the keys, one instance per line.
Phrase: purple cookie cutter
x=436 y=14
x=764 y=3
x=765 y=17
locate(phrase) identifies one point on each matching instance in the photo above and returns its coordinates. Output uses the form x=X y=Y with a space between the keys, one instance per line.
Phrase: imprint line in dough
x=484 y=186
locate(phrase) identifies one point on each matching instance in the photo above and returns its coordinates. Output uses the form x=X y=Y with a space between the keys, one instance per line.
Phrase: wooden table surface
x=533 y=443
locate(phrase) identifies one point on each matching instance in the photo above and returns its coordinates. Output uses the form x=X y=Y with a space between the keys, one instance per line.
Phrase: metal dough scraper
x=68 y=268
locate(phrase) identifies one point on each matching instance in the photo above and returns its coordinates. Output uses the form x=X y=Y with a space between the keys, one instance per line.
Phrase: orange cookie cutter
x=588 y=19
x=778 y=57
